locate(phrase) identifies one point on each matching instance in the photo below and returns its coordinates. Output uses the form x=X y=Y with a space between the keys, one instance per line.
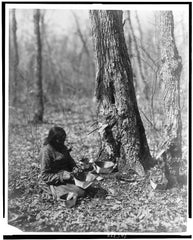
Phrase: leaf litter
x=129 y=206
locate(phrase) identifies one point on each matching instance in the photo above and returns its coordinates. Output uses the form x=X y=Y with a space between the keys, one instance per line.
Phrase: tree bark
x=16 y=57
x=38 y=104
x=120 y=125
x=171 y=67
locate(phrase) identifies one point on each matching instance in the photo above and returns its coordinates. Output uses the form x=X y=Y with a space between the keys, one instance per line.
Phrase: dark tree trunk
x=15 y=57
x=38 y=104
x=122 y=132
x=171 y=67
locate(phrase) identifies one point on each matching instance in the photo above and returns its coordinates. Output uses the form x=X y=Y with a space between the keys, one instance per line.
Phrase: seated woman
x=57 y=165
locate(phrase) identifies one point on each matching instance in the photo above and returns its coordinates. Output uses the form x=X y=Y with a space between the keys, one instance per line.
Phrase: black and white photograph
x=97 y=118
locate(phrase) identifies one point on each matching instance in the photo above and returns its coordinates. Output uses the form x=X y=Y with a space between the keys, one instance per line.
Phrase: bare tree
x=122 y=132
x=85 y=48
x=15 y=56
x=81 y=35
x=38 y=104
x=171 y=67
x=137 y=55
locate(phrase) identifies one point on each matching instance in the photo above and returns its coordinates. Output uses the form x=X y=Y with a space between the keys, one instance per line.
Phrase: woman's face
x=61 y=139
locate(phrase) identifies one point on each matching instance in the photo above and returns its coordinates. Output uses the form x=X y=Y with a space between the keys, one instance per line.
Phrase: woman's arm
x=47 y=173
x=71 y=163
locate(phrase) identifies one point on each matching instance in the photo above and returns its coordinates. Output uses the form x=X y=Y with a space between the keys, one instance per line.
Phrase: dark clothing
x=54 y=163
x=56 y=166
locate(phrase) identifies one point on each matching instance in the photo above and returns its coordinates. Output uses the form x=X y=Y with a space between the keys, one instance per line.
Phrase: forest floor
x=128 y=207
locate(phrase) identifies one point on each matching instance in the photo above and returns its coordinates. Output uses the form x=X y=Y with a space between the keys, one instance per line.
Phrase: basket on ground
x=84 y=179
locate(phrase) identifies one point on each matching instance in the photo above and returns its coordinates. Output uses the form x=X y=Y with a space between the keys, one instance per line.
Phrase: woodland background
x=68 y=73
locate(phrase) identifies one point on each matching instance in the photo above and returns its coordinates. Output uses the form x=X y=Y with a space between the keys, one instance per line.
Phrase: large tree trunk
x=15 y=57
x=122 y=132
x=38 y=104
x=171 y=67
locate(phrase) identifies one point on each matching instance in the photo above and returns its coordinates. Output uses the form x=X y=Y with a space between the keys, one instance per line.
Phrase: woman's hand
x=75 y=170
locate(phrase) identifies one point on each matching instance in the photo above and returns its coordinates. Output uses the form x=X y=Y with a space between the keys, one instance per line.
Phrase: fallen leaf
x=115 y=207
x=153 y=185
